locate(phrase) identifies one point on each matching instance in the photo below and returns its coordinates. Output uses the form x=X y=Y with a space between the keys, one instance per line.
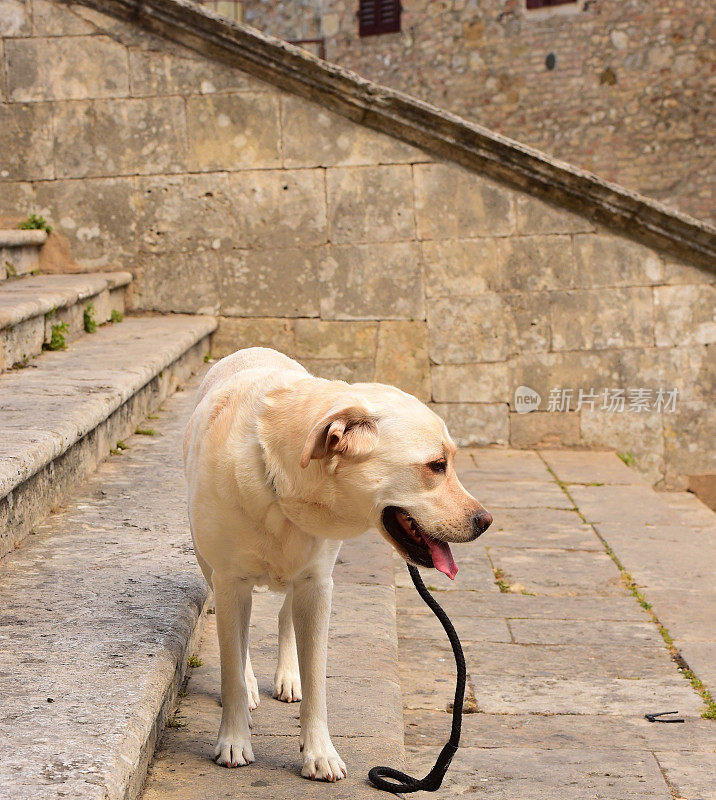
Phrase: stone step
x=61 y=416
x=20 y=251
x=36 y=306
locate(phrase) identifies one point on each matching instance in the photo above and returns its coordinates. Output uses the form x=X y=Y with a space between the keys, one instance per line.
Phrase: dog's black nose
x=481 y=522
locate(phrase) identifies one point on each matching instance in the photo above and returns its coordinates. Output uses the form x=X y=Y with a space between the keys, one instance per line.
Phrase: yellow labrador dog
x=281 y=466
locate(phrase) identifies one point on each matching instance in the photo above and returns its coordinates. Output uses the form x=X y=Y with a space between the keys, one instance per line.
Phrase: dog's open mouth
x=421 y=548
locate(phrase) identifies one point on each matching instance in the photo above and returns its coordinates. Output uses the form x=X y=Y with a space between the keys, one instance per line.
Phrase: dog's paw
x=252 y=689
x=323 y=764
x=233 y=751
x=287 y=685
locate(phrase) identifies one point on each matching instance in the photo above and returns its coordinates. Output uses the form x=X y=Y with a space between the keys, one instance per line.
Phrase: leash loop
x=402 y=783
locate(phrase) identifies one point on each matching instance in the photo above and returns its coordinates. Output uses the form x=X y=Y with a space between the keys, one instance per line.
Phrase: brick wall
x=629 y=98
x=360 y=255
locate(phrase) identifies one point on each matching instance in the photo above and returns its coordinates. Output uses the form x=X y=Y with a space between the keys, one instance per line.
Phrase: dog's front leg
x=287 y=682
x=311 y=614
x=233 y=611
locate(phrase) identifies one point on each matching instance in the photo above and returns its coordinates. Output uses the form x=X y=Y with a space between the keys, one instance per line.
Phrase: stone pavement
x=563 y=660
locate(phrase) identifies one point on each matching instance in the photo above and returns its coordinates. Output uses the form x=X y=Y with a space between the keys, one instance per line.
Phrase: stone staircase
x=98 y=605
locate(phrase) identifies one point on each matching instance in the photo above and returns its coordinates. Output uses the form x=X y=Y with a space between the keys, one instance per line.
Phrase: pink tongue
x=442 y=557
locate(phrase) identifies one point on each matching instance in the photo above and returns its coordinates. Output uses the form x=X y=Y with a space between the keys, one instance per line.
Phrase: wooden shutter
x=378 y=16
x=547 y=3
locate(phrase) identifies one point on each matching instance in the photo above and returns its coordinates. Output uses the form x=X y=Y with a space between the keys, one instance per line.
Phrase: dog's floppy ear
x=348 y=431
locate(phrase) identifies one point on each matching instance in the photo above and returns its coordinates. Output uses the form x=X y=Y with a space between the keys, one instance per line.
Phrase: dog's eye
x=437 y=466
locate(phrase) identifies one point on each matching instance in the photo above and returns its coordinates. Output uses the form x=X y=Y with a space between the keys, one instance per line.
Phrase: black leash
x=432 y=781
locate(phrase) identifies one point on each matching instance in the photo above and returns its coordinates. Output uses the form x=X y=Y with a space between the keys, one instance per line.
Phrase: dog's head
x=381 y=456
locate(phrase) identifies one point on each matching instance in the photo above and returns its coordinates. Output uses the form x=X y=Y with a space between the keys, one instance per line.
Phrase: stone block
x=370 y=204
x=676 y=272
x=316 y=137
x=587 y=467
x=26 y=141
x=690 y=370
x=349 y=370
x=379 y=281
x=642 y=435
x=17 y=261
x=158 y=72
x=15 y=18
x=16 y=198
x=536 y=263
x=272 y=208
x=608 y=260
x=684 y=315
x=568 y=370
x=453 y=203
x=268 y=283
x=602 y=319
x=691 y=774
x=491 y=327
x=455 y=267
x=176 y=282
x=21 y=342
x=55 y=19
x=125 y=136
x=96 y=216
x=541 y=429
x=687 y=434
x=321 y=339
x=183 y=213
x=402 y=357
x=66 y=68
x=475 y=423
x=234 y=333
x=470 y=383
x=233 y=132
x=534 y=216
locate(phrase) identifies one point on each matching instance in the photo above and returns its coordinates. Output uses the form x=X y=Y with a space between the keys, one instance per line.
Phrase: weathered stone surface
x=370 y=204
x=528 y=773
x=475 y=423
x=158 y=72
x=684 y=315
x=401 y=357
x=96 y=216
x=542 y=429
x=333 y=340
x=469 y=383
x=21 y=342
x=276 y=208
x=51 y=19
x=233 y=131
x=359 y=282
x=642 y=435
x=234 y=333
x=604 y=260
x=351 y=371
x=276 y=283
x=619 y=318
x=690 y=774
x=485 y=629
x=591 y=634
x=537 y=217
x=468 y=329
x=693 y=422
x=126 y=136
x=112 y=690
x=552 y=253
x=176 y=282
x=497 y=463
x=315 y=137
x=26 y=141
x=456 y=267
x=451 y=203
x=15 y=18
x=57 y=68
x=586 y=467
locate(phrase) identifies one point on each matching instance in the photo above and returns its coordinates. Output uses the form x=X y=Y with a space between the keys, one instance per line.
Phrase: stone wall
x=629 y=97
x=359 y=254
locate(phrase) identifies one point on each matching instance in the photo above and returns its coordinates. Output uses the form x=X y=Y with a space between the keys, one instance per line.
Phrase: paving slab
x=499 y=494
x=589 y=467
x=502 y=464
x=548 y=527
x=558 y=572
x=691 y=775
x=535 y=774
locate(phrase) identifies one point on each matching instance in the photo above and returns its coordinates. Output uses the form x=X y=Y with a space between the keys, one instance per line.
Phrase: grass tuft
x=145 y=431
x=194 y=661
x=116 y=315
x=89 y=321
x=57 y=337
x=35 y=222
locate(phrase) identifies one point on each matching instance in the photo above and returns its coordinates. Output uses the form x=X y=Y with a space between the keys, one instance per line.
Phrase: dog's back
x=249 y=358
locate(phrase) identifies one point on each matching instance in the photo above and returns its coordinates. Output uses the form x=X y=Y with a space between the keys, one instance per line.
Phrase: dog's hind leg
x=252 y=685
x=233 y=611
x=287 y=680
